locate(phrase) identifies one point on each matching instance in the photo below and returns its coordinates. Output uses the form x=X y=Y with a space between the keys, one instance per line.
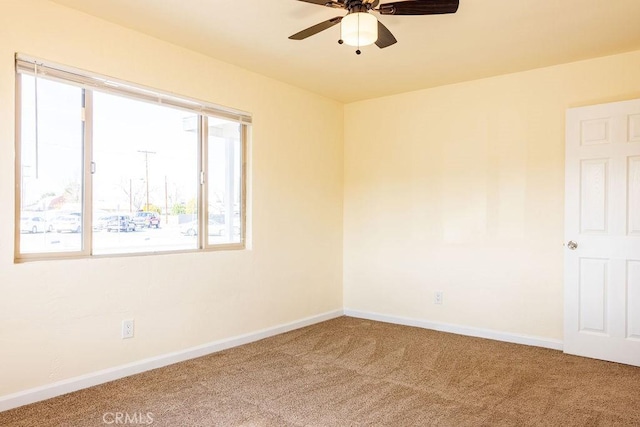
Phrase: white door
x=602 y=232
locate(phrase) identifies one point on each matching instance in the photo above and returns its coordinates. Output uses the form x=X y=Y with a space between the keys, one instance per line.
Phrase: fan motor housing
x=357 y=6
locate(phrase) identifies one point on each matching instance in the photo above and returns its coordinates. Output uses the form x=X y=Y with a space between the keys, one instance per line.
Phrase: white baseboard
x=89 y=380
x=460 y=330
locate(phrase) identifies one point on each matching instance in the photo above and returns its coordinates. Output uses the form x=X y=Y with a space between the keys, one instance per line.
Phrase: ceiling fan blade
x=328 y=3
x=385 y=38
x=316 y=29
x=419 y=7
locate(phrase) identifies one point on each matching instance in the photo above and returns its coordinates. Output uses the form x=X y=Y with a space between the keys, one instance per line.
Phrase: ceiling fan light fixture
x=359 y=29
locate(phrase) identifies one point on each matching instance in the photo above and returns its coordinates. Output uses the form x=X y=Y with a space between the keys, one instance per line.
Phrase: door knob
x=572 y=245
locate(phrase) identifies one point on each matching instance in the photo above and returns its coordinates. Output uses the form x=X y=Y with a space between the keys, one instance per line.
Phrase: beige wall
x=62 y=319
x=461 y=189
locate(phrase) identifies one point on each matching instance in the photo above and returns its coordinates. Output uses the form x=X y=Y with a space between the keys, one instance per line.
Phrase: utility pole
x=146 y=166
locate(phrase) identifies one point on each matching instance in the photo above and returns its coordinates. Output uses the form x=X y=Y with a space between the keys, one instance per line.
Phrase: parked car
x=70 y=223
x=121 y=223
x=101 y=222
x=146 y=219
x=191 y=228
x=33 y=224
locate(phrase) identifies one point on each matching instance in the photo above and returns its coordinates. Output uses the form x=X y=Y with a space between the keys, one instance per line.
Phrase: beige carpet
x=352 y=372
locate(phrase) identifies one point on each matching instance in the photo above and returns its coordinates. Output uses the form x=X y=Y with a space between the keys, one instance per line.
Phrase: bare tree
x=135 y=191
x=174 y=194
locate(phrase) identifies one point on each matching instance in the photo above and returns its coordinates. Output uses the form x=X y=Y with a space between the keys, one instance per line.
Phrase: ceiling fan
x=361 y=28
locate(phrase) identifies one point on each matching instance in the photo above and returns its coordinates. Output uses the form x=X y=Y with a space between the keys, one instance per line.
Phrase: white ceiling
x=485 y=38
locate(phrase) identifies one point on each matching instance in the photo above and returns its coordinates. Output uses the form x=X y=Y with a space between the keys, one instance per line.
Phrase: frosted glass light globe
x=359 y=29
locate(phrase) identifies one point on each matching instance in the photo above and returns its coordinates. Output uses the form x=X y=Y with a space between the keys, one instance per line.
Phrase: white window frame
x=89 y=82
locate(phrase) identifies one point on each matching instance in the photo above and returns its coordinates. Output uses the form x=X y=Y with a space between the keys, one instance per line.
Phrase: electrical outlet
x=127 y=328
x=438 y=297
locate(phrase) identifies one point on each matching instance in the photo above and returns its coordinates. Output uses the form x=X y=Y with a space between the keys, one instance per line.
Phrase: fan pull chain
x=358 y=52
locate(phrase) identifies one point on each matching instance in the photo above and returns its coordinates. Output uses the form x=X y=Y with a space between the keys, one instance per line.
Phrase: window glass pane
x=224 y=180
x=146 y=176
x=51 y=167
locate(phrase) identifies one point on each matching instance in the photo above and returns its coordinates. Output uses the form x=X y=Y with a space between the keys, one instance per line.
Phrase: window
x=106 y=168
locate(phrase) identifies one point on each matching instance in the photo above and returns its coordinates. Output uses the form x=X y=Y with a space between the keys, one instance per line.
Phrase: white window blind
x=33 y=66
